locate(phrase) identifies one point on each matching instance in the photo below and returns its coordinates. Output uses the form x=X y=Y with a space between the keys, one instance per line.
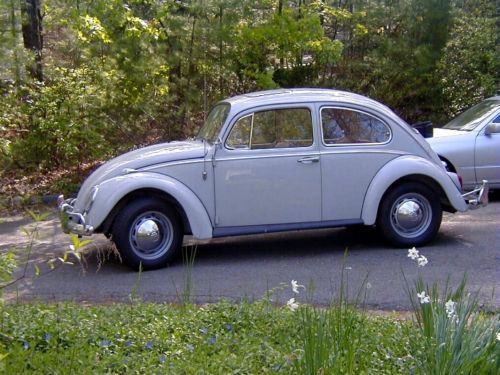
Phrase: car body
x=271 y=161
x=470 y=144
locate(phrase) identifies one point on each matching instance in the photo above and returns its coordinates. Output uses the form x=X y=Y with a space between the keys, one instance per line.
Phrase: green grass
x=448 y=334
x=221 y=338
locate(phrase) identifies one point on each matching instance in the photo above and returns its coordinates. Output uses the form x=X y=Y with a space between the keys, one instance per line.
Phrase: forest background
x=83 y=80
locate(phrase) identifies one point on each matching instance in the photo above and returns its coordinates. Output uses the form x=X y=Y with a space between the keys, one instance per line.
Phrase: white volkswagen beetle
x=271 y=161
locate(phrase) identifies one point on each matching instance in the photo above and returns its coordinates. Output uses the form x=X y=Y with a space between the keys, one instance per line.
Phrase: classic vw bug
x=271 y=161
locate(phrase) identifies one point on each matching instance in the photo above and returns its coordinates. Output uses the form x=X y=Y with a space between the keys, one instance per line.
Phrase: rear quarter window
x=346 y=126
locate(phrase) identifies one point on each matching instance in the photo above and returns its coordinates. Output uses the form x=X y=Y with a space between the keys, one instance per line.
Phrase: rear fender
x=401 y=168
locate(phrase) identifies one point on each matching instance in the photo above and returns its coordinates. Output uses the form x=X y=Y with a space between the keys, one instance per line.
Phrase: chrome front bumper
x=72 y=222
x=477 y=197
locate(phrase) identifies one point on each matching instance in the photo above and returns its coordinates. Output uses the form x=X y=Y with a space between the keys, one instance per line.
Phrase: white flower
x=413 y=253
x=498 y=336
x=296 y=286
x=424 y=298
x=143 y=23
x=422 y=261
x=450 y=308
x=292 y=305
x=450 y=311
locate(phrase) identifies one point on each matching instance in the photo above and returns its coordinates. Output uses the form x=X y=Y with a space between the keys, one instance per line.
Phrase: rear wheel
x=410 y=215
x=147 y=231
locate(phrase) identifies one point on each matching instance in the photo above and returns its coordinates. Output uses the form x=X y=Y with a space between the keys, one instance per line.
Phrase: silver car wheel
x=411 y=215
x=151 y=235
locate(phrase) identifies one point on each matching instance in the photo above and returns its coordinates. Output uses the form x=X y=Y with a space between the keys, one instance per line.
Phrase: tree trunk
x=280 y=13
x=32 y=33
x=221 y=52
x=15 y=34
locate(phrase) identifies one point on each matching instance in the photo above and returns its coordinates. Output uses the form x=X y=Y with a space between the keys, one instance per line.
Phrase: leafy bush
x=66 y=122
x=470 y=62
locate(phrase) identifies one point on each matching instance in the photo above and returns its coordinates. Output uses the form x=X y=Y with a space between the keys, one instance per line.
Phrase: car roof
x=496 y=98
x=301 y=95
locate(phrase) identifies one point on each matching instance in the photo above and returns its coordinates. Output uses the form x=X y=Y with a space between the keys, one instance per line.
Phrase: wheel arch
x=107 y=224
x=115 y=193
x=410 y=169
x=423 y=180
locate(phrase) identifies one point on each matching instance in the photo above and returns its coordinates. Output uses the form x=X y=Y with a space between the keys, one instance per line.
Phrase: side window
x=264 y=129
x=345 y=126
x=280 y=128
x=240 y=134
x=496 y=120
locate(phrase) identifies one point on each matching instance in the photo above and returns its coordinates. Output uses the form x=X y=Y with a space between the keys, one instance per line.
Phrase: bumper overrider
x=72 y=222
x=478 y=197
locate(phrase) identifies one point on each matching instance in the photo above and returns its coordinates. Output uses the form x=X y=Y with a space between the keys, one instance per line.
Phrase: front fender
x=401 y=167
x=113 y=190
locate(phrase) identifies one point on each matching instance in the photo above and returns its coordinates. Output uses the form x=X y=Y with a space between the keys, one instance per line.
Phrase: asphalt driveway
x=249 y=266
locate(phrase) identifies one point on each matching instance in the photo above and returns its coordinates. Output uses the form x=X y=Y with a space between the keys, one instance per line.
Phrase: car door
x=487 y=155
x=355 y=146
x=267 y=170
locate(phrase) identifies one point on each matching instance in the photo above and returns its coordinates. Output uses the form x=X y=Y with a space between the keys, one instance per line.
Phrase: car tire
x=147 y=232
x=410 y=215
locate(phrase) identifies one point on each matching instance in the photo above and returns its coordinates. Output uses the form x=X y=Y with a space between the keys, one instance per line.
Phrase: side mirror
x=492 y=128
x=218 y=143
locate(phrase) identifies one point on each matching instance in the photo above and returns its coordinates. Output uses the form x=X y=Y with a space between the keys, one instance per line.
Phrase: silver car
x=266 y=162
x=470 y=144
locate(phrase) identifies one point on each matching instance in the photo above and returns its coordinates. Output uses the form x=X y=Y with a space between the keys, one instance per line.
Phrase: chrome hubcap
x=411 y=215
x=148 y=235
x=151 y=235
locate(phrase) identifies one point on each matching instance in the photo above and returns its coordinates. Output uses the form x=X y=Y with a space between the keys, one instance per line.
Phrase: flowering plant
x=455 y=337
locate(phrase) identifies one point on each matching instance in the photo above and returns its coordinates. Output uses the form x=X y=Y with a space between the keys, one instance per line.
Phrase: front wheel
x=410 y=215
x=147 y=231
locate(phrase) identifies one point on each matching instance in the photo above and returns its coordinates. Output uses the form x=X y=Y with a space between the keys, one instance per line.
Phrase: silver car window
x=277 y=128
x=213 y=124
x=474 y=116
x=346 y=126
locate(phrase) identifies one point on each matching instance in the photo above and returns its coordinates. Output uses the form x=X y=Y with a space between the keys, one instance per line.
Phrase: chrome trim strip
x=169 y=163
x=313 y=153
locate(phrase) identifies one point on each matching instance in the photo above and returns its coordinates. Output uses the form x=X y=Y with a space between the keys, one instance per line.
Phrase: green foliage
x=216 y=338
x=7 y=266
x=454 y=337
x=470 y=60
x=220 y=338
x=66 y=124
x=121 y=75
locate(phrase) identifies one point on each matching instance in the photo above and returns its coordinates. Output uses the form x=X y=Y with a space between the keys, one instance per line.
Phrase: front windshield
x=474 y=116
x=213 y=124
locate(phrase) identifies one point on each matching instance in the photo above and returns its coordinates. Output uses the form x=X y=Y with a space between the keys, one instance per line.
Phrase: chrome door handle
x=309 y=160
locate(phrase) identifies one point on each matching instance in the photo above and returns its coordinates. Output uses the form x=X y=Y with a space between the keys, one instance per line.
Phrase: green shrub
x=66 y=123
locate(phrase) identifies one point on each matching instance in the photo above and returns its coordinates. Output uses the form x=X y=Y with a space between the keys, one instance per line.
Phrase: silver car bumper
x=477 y=197
x=72 y=222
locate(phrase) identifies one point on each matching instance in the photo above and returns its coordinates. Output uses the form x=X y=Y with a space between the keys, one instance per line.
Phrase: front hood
x=440 y=132
x=446 y=138
x=140 y=158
